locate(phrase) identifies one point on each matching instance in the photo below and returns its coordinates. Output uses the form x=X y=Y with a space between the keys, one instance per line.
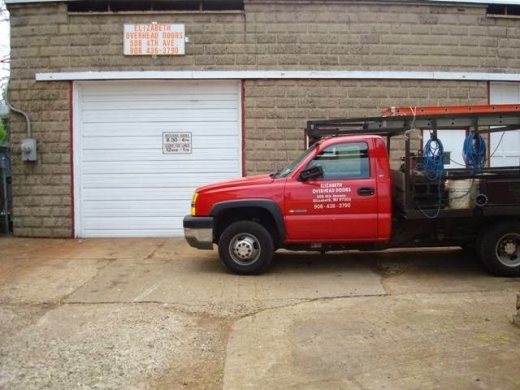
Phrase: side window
x=344 y=161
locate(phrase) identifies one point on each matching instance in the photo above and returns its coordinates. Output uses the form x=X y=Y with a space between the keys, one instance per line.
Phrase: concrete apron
x=148 y=314
x=196 y=282
x=446 y=323
x=138 y=314
x=457 y=341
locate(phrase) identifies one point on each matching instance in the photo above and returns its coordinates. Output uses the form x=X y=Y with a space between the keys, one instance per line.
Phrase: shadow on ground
x=386 y=263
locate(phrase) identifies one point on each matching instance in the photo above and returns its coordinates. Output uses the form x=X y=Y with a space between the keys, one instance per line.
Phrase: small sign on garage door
x=177 y=143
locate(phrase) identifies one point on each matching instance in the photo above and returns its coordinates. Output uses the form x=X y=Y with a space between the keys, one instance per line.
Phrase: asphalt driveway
x=157 y=314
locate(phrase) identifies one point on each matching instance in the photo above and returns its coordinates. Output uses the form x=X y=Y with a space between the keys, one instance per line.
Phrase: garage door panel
x=151 y=116
x=135 y=231
x=90 y=101
x=136 y=129
x=132 y=222
x=143 y=233
x=171 y=193
x=108 y=233
x=124 y=185
x=131 y=180
x=145 y=90
x=145 y=208
x=156 y=154
x=141 y=213
x=99 y=168
x=160 y=165
x=154 y=142
x=161 y=105
x=112 y=215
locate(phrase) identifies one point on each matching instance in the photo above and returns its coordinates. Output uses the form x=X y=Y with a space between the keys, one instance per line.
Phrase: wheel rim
x=508 y=250
x=244 y=249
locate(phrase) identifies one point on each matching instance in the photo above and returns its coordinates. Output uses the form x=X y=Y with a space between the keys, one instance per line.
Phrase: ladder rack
x=396 y=121
x=439 y=110
x=400 y=120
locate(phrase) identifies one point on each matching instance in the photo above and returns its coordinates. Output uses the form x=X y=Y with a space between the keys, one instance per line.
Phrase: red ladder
x=432 y=110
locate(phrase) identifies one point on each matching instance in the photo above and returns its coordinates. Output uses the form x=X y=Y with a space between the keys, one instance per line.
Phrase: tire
x=499 y=249
x=246 y=248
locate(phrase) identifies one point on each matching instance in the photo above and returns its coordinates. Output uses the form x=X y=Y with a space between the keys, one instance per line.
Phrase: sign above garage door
x=154 y=39
x=125 y=185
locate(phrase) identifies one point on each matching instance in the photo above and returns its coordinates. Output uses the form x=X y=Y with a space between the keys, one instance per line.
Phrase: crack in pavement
x=159 y=246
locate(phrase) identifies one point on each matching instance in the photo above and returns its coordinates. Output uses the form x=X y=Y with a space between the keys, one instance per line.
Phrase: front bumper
x=198 y=231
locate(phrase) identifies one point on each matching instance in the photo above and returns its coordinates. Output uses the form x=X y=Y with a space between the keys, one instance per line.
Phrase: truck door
x=341 y=206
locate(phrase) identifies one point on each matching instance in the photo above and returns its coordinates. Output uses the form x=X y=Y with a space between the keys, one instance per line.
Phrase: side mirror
x=311 y=173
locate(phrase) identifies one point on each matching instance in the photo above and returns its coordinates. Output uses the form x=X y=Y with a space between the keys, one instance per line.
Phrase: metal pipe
x=26 y=118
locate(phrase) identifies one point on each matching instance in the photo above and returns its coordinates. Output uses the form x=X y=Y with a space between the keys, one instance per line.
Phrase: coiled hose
x=474 y=152
x=433 y=159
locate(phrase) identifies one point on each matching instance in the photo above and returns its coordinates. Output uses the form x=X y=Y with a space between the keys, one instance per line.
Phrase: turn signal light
x=193 y=204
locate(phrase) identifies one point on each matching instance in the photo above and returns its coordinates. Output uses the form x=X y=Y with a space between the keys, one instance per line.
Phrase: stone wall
x=399 y=36
x=42 y=203
x=269 y=35
x=276 y=111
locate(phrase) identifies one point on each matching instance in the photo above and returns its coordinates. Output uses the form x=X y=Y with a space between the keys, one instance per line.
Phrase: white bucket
x=462 y=193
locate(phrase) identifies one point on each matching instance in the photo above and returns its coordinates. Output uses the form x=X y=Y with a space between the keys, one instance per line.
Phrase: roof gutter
x=275 y=74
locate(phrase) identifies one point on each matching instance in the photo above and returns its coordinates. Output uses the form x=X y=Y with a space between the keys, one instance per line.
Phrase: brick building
x=109 y=86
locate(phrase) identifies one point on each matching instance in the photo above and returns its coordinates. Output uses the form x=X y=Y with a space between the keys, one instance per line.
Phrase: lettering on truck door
x=341 y=206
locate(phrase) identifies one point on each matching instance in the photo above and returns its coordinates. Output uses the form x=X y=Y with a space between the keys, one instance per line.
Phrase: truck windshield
x=290 y=168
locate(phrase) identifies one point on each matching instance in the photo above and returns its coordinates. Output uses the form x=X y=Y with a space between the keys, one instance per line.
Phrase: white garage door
x=505 y=147
x=130 y=179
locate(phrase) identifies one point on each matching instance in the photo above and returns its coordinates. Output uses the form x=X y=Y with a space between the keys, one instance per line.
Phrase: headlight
x=194 y=204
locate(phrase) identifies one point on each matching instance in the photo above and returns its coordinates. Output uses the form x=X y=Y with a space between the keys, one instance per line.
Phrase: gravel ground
x=110 y=346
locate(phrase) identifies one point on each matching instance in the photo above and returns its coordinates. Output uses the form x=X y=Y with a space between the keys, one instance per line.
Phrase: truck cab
x=338 y=192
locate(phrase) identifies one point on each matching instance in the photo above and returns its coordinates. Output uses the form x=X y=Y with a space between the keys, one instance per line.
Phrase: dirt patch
x=388 y=269
x=203 y=367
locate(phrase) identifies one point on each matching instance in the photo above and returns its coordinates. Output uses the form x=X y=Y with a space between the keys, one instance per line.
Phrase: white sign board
x=154 y=39
x=177 y=143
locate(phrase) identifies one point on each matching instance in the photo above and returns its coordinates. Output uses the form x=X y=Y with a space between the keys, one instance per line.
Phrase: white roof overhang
x=510 y=2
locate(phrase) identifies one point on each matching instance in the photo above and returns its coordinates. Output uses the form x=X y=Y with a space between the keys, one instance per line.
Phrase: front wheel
x=246 y=248
x=499 y=249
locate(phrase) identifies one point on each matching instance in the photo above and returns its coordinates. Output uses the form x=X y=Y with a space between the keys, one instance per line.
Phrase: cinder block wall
x=269 y=35
x=399 y=36
x=277 y=110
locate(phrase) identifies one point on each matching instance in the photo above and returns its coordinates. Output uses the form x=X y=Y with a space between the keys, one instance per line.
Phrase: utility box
x=29 y=149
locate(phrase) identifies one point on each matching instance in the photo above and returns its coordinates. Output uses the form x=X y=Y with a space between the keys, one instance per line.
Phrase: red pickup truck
x=341 y=194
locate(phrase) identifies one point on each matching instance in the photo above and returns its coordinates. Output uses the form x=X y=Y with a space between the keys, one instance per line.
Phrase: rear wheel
x=499 y=249
x=246 y=248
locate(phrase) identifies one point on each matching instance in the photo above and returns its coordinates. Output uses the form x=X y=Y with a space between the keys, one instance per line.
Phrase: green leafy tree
x=2 y=133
